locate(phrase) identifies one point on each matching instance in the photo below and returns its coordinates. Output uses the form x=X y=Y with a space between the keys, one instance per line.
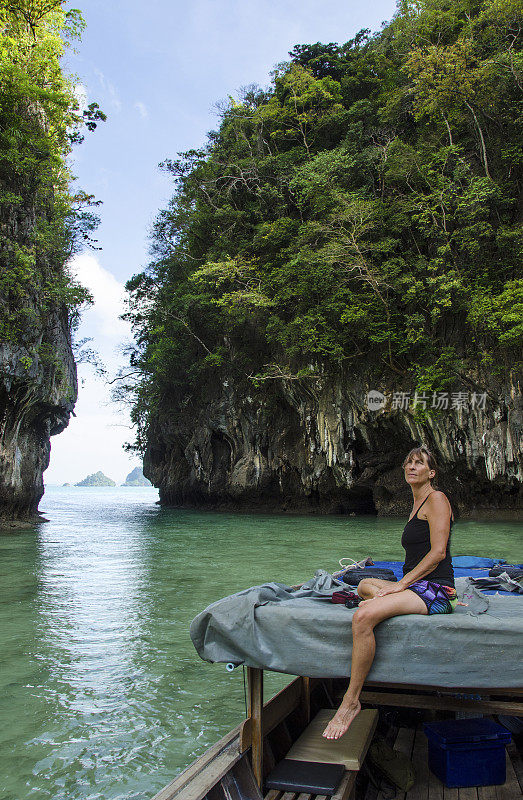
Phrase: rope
x=354 y=564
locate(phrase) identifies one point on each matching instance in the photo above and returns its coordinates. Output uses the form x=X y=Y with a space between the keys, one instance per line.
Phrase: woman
x=427 y=585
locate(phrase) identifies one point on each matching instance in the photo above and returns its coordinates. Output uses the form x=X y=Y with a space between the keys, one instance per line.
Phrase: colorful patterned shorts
x=439 y=599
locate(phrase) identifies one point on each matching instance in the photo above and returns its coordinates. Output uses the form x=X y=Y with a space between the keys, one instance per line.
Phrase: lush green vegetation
x=41 y=221
x=96 y=479
x=362 y=214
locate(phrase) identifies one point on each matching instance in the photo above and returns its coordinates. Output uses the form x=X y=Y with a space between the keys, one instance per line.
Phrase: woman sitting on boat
x=427 y=585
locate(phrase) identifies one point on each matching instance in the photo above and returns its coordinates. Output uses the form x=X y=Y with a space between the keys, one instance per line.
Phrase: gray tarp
x=303 y=633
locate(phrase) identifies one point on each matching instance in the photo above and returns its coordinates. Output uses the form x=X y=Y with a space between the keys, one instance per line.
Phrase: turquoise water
x=101 y=692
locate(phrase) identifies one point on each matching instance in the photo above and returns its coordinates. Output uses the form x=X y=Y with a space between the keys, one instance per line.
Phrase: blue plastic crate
x=467 y=752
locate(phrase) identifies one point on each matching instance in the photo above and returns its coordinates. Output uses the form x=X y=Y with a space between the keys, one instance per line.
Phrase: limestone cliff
x=44 y=221
x=38 y=390
x=319 y=449
x=38 y=383
x=354 y=226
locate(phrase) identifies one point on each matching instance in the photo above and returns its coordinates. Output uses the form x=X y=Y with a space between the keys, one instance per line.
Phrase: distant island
x=96 y=479
x=137 y=478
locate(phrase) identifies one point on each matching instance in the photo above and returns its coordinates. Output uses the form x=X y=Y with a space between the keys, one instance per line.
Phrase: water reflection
x=92 y=621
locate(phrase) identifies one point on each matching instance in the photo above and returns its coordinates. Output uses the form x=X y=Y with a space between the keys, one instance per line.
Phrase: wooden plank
x=346 y=786
x=275 y=711
x=288 y=796
x=510 y=790
x=281 y=741
x=328 y=685
x=207 y=770
x=486 y=793
x=255 y=695
x=420 y=790
x=202 y=782
x=306 y=699
x=517 y=762
x=442 y=703
x=272 y=794
x=498 y=690
x=269 y=761
x=468 y=793
x=239 y=783
x=304 y=797
x=216 y=793
x=435 y=787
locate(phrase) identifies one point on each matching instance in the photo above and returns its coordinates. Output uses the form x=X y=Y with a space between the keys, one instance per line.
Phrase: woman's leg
x=365 y=619
x=368 y=587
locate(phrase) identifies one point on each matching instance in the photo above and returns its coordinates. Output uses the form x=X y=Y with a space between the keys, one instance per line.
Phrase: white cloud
x=111 y=90
x=102 y=319
x=95 y=436
x=80 y=92
x=142 y=109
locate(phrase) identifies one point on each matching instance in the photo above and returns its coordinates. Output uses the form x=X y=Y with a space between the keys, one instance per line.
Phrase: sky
x=158 y=70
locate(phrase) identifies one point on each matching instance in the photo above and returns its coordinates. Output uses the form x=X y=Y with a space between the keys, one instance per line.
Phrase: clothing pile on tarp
x=468 y=566
x=302 y=633
x=503 y=581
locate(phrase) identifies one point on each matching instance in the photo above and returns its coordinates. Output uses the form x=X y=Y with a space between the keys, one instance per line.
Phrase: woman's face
x=417 y=470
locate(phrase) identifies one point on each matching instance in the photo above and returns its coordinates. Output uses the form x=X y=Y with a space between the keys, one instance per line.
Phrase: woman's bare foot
x=362 y=602
x=342 y=720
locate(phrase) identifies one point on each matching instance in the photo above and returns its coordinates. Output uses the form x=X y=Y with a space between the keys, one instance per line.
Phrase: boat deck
x=427 y=787
x=414 y=744
x=344 y=791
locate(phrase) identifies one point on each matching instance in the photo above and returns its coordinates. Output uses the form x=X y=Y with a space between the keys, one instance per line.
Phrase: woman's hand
x=397 y=587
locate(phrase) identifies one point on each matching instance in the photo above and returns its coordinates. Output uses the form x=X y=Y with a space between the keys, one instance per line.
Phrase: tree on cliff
x=364 y=212
x=42 y=224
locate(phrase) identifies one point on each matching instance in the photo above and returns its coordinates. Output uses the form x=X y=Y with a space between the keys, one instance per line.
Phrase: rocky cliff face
x=38 y=390
x=44 y=221
x=319 y=449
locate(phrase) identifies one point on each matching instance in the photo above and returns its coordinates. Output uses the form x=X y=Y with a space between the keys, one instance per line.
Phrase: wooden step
x=349 y=750
x=343 y=792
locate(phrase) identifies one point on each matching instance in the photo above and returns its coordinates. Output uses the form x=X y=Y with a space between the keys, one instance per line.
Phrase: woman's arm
x=438 y=517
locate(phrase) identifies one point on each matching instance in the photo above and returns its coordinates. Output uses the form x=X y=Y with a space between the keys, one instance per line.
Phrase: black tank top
x=416 y=542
